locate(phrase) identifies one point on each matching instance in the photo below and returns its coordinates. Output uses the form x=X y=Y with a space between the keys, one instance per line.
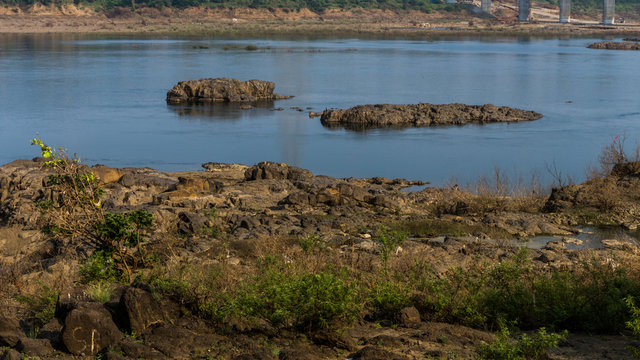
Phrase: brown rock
x=409 y=316
x=373 y=353
x=143 y=310
x=35 y=347
x=615 y=45
x=106 y=174
x=364 y=117
x=10 y=332
x=222 y=90
x=270 y=170
x=89 y=329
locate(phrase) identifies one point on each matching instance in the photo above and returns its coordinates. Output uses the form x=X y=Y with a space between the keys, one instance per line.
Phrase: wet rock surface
x=365 y=117
x=222 y=90
x=615 y=45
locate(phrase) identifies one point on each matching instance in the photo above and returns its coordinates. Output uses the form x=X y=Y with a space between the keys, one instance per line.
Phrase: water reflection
x=222 y=111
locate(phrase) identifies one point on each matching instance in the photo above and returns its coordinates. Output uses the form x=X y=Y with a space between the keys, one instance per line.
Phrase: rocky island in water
x=364 y=117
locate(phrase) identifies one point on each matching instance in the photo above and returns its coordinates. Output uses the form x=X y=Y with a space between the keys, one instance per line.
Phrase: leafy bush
x=41 y=305
x=525 y=348
x=389 y=241
x=388 y=297
x=634 y=325
x=76 y=215
x=299 y=299
x=100 y=267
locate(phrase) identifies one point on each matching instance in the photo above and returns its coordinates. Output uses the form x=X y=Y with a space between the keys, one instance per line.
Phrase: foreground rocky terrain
x=416 y=115
x=227 y=243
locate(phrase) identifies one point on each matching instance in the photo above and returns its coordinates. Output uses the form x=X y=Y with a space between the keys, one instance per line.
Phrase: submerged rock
x=615 y=45
x=364 y=117
x=222 y=90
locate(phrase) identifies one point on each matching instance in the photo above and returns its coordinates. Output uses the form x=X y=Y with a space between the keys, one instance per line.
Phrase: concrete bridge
x=524 y=10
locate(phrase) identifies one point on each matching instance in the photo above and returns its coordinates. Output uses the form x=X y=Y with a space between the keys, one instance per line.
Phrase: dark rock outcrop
x=89 y=329
x=615 y=45
x=270 y=170
x=222 y=90
x=365 y=117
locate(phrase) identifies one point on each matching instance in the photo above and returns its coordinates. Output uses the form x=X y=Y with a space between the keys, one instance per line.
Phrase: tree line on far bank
x=580 y=6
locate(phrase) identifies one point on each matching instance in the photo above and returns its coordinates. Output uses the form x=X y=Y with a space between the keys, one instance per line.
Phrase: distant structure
x=524 y=10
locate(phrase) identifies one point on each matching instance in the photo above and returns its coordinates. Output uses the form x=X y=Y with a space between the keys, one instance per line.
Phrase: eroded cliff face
x=364 y=117
x=222 y=90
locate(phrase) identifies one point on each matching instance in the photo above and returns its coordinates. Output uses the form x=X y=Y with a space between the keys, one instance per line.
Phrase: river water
x=104 y=99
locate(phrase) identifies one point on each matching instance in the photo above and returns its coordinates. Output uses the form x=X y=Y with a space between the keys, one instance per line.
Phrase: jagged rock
x=222 y=89
x=144 y=311
x=134 y=350
x=615 y=45
x=175 y=341
x=35 y=347
x=89 y=329
x=270 y=170
x=11 y=354
x=71 y=299
x=10 y=332
x=364 y=117
x=374 y=353
x=191 y=223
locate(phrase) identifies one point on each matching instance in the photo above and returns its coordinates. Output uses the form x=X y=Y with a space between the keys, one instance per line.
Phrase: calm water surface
x=105 y=100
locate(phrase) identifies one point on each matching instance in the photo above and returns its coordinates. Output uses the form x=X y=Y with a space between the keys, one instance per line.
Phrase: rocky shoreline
x=230 y=218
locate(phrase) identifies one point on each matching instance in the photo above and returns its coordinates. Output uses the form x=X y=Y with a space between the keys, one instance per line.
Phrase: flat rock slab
x=222 y=90
x=615 y=45
x=365 y=117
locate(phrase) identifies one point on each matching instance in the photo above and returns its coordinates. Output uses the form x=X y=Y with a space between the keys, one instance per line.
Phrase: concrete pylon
x=565 y=11
x=485 y=6
x=608 y=11
x=524 y=10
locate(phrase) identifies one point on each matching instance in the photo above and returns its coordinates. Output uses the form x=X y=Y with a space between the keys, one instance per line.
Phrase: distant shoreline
x=374 y=23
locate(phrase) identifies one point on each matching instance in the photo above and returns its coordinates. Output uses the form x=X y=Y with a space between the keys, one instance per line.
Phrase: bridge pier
x=608 y=11
x=485 y=6
x=565 y=11
x=524 y=10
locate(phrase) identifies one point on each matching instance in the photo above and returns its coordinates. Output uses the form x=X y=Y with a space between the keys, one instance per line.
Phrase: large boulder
x=364 y=117
x=89 y=329
x=222 y=90
x=143 y=310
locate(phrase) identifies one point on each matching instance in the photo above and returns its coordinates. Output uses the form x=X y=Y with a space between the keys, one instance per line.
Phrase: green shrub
x=300 y=299
x=525 y=348
x=41 y=305
x=634 y=325
x=100 y=267
x=389 y=241
x=124 y=227
x=310 y=242
x=388 y=297
x=101 y=291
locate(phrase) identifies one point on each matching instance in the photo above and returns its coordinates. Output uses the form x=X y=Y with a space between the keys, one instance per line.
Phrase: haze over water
x=104 y=99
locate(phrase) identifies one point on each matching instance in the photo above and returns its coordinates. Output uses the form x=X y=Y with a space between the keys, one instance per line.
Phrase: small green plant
x=251 y=47
x=309 y=242
x=41 y=305
x=101 y=291
x=389 y=241
x=634 y=325
x=525 y=348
